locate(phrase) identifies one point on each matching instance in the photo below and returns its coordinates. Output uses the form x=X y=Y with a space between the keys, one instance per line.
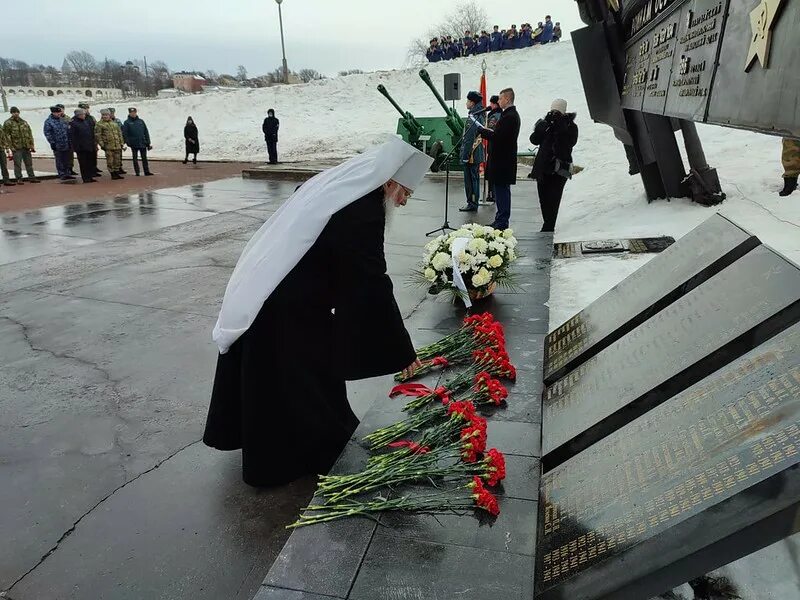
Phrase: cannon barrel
x=453 y=120
x=414 y=128
x=384 y=91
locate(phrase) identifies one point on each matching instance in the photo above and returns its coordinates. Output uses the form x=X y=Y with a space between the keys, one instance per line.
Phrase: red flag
x=485 y=103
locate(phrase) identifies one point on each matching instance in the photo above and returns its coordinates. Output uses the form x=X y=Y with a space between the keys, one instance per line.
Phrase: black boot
x=115 y=175
x=789 y=185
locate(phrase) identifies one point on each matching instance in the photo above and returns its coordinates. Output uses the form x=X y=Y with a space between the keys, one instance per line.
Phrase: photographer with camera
x=556 y=136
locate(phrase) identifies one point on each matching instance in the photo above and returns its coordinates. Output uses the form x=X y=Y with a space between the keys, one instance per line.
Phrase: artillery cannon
x=453 y=119
x=407 y=121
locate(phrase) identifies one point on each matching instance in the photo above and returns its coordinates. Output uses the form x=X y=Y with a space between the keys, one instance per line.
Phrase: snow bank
x=336 y=117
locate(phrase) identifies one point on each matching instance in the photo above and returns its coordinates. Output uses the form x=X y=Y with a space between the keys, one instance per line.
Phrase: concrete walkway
x=106 y=365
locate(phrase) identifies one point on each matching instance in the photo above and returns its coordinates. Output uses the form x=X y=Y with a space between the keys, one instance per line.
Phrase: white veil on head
x=284 y=239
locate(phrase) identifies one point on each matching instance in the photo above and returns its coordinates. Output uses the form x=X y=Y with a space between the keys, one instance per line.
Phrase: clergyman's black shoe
x=468 y=208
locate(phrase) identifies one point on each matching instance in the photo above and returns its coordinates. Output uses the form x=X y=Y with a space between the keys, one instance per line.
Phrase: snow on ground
x=336 y=117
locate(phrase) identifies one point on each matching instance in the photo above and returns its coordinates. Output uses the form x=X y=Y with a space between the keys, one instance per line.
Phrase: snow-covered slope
x=341 y=116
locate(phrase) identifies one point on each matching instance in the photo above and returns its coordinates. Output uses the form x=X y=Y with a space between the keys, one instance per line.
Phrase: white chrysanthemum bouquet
x=483 y=256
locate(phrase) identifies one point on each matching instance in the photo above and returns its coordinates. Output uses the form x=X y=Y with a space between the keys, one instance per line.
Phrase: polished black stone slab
x=694 y=258
x=705 y=478
x=728 y=315
x=405 y=568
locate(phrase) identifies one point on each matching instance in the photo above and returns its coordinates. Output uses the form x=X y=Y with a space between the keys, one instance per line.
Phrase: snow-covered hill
x=341 y=116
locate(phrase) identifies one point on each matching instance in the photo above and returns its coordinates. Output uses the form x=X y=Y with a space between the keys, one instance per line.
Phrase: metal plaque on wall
x=636 y=63
x=758 y=79
x=662 y=47
x=699 y=36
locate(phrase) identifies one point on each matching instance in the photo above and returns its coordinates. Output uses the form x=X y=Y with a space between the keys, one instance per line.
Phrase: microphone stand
x=446 y=225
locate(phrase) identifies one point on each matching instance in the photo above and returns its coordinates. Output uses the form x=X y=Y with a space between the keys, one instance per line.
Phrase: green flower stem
x=438 y=502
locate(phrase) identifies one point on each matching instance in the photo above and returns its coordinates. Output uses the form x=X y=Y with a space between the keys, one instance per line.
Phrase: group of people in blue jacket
x=446 y=47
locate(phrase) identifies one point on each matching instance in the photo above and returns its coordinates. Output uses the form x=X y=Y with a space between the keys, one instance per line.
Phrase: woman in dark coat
x=192 y=143
x=279 y=392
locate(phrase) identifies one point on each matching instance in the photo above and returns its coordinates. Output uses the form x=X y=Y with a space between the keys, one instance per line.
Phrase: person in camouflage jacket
x=20 y=140
x=109 y=138
x=4 y=145
x=791 y=165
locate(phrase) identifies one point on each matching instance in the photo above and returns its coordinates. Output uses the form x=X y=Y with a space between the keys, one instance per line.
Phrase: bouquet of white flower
x=482 y=255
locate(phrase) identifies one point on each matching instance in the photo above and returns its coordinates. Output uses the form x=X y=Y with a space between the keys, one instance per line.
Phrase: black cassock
x=279 y=392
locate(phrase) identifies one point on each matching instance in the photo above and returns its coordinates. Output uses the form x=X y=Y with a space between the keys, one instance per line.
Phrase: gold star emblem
x=762 y=20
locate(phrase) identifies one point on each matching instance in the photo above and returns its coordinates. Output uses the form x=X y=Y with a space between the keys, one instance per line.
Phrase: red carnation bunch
x=483 y=498
x=489 y=390
x=495 y=467
x=479 y=332
x=464 y=408
x=473 y=439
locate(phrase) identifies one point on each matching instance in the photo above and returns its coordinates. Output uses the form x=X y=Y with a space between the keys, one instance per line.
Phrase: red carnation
x=495 y=467
x=440 y=361
x=462 y=408
x=483 y=498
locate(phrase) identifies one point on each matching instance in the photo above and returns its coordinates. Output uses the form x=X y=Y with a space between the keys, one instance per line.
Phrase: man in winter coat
x=483 y=43
x=472 y=152
x=455 y=50
x=270 y=128
x=791 y=165
x=5 y=145
x=556 y=135
x=71 y=158
x=136 y=135
x=109 y=138
x=56 y=132
x=20 y=140
x=93 y=122
x=497 y=40
x=547 y=30
x=502 y=166
x=82 y=140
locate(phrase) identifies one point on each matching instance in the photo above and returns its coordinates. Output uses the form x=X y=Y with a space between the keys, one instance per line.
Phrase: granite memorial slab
x=703 y=479
x=684 y=265
x=740 y=307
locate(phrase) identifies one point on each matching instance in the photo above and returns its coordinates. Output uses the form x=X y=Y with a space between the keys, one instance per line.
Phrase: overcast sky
x=327 y=35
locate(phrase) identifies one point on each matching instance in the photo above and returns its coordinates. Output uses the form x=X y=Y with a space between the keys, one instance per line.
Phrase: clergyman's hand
x=409 y=371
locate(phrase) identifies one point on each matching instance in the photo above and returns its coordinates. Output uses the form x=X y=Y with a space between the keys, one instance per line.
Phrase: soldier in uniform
x=791 y=165
x=4 y=146
x=20 y=139
x=119 y=124
x=109 y=138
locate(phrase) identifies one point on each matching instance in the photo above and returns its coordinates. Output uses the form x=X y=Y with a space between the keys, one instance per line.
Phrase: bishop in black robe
x=279 y=392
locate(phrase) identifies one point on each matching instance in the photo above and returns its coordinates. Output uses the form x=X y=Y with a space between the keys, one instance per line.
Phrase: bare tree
x=241 y=73
x=211 y=76
x=468 y=15
x=83 y=63
x=307 y=75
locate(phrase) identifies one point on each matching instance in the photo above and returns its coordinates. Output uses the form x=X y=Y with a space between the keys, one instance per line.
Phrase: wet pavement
x=56 y=193
x=106 y=309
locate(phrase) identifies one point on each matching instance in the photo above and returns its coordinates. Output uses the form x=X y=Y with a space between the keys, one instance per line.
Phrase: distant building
x=188 y=82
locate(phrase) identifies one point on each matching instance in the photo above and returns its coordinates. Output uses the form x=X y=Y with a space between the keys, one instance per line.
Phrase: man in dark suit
x=502 y=167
